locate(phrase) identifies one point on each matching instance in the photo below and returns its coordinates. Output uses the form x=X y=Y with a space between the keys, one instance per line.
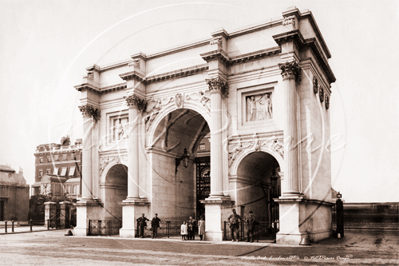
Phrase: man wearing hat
x=154 y=225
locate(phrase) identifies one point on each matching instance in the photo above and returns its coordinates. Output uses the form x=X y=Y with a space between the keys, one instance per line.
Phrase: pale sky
x=45 y=47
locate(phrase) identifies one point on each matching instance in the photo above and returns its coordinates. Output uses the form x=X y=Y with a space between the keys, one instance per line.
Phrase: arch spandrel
x=233 y=169
x=108 y=162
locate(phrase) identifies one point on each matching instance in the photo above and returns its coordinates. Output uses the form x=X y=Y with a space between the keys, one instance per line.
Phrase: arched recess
x=201 y=110
x=256 y=182
x=172 y=184
x=114 y=189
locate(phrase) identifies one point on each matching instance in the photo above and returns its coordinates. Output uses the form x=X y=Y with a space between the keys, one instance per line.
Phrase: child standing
x=184 y=231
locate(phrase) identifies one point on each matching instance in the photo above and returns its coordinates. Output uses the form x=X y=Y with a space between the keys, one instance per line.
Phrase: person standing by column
x=141 y=223
x=201 y=227
x=234 y=220
x=154 y=225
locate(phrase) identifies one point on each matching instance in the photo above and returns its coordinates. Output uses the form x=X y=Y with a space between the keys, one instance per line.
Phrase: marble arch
x=276 y=88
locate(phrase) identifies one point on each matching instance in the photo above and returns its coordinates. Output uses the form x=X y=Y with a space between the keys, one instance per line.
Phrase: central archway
x=174 y=184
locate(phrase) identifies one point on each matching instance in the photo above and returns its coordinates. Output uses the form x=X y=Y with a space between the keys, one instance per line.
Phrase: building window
x=55 y=171
x=63 y=171
x=40 y=173
x=48 y=171
x=48 y=159
x=202 y=146
x=41 y=160
x=65 y=157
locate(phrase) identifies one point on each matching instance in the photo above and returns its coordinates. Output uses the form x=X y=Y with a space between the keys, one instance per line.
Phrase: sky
x=45 y=47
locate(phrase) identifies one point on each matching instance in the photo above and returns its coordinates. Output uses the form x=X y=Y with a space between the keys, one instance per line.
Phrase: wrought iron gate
x=203 y=183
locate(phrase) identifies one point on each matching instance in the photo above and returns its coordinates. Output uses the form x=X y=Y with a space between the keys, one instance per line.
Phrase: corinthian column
x=89 y=117
x=135 y=105
x=291 y=74
x=217 y=87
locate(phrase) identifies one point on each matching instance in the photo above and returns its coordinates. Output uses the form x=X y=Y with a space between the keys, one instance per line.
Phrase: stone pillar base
x=82 y=219
x=216 y=211
x=132 y=209
x=214 y=236
x=291 y=239
x=303 y=220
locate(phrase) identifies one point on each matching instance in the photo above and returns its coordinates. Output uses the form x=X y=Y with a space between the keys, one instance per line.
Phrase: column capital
x=217 y=84
x=290 y=70
x=133 y=101
x=90 y=111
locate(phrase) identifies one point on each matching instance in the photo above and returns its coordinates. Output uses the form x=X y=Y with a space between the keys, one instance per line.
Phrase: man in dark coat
x=191 y=228
x=251 y=227
x=154 y=225
x=234 y=221
x=141 y=223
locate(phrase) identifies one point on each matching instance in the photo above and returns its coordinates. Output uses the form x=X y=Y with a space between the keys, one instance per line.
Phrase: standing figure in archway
x=251 y=227
x=191 y=227
x=141 y=223
x=154 y=225
x=201 y=227
x=234 y=221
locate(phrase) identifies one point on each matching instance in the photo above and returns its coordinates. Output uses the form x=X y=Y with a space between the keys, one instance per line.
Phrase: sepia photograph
x=215 y=132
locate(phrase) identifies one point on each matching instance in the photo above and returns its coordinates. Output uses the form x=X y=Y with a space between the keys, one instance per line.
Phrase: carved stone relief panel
x=119 y=128
x=202 y=97
x=258 y=107
x=118 y=159
x=254 y=143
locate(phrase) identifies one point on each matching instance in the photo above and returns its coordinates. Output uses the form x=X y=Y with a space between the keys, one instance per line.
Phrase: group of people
x=142 y=223
x=188 y=229
x=235 y=220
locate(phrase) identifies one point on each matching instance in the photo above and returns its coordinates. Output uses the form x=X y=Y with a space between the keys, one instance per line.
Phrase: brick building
x=57 y=168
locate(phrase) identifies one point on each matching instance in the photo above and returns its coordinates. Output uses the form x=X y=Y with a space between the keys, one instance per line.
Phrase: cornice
x=132 y=75
x=311 y=43
x=216 y=55
x=255 y=55
x=256 y=27
x=309 y=15
x=113 y=88
x=176 y=73
x=87 y=86
x=180 y=48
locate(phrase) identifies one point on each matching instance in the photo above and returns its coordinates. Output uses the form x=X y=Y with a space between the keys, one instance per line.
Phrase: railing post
x=12 y=226
x=224 y=231
x=5 y=226
x=242 y=230
x=168 y=227
x=30 y=224
x=48 y=224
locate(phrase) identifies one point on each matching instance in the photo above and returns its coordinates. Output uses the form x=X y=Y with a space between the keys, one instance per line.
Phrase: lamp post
x=184 y=158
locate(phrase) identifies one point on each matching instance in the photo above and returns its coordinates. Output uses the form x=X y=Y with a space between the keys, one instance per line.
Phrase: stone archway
x=257 y=184
x=114 y=189
x=173 y=186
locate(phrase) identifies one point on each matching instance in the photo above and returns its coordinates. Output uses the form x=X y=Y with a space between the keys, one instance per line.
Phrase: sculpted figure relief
x=259 y=107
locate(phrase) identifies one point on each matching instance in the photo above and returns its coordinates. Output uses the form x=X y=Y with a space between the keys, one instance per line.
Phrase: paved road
x=53 y=248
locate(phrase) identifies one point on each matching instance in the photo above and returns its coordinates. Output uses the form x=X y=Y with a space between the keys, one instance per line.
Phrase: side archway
x=114 y=189
x=256 y=183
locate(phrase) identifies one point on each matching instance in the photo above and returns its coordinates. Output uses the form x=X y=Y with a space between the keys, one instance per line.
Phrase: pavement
x=52 y=247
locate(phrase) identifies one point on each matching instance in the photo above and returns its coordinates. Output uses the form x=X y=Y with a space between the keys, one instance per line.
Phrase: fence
x=104 y=227
x=262 y=231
